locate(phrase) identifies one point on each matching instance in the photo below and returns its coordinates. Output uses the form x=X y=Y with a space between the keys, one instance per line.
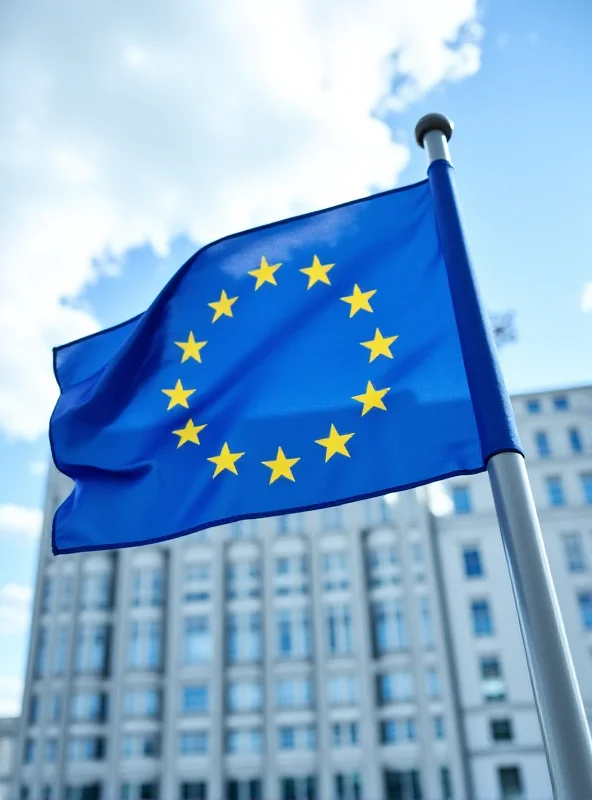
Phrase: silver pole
x=562 y=717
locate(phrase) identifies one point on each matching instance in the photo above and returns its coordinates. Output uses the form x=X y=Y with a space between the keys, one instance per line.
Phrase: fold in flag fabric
x=299 y=365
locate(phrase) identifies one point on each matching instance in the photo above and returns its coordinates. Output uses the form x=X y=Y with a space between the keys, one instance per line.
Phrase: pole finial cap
x=433 y=122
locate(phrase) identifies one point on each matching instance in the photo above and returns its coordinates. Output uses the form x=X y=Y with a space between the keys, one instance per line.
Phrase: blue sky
x=520 y=149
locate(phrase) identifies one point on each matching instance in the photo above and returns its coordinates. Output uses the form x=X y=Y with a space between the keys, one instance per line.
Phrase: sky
x=131 y=134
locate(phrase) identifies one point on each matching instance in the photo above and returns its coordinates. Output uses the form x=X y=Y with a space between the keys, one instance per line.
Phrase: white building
x=8 y=737
x=370 y=651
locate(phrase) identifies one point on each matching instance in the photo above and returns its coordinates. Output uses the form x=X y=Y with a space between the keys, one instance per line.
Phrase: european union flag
x=299 y=365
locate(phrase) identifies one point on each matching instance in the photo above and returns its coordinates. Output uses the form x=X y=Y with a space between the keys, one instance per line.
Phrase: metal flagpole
x=562 y=717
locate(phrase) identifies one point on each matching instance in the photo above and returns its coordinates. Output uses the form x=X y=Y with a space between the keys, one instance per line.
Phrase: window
x=533 y=406
x=91 y=649
x=383 y=566
x=137 y=791
x=244 y=790
x=542 y=444
x=426 y=630
x=55 y=707
x=144 y=645
x=293 y=633
x=197 y=641
x=282 y=566
x=585 y=604
x=289 y=523
x=348 y=786
x=66 y=593
x=390 y=630
x=244 y=696
x=461 y=499
x=445 y=783
x=33 y=709
x=194 y=699
x=244 y=740
x=342 y=690
x=344 y=734
x=243 y=637
x=394 y=731
x=147 y=587
x=432 y=683
x=41 y=655
x=335 y=571
x=90 y=791
x=586 y=479
x=294 y=693
x=493 y=684
x=291 y=575
x=302 y=787
x=501 y=730
x=297 y=737
x=575 y=440
x=46 y=593
x=140 y=745
x=560 y=403
x=30 y=751
x=243 y=580
x=510 y=782
x=88 y=707
x=472 y=562
x=438 y=722
x=332 y=518
x=60 y=653
x=339 y=630
x=555 y=491
x=47 y=792
x=402 y=784
x=197 y=582
x=86 y=748
x=193 y=743
x=95 y=591
x=244 y=529
x=481 y=615
x=194 y=790
x=574 y=552
x=141 y=703
x=395 y=687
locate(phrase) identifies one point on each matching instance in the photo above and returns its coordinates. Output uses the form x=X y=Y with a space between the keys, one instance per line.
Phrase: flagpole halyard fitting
x=562 y=717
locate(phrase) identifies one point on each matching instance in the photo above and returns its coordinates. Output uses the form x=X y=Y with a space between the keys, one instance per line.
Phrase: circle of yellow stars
x=335 y=443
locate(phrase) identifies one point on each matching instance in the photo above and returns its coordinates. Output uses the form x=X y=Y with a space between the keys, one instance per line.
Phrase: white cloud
x=11 y=690
x=15 y=608
x=196 y=118
x=20 y=521
x=587 y=297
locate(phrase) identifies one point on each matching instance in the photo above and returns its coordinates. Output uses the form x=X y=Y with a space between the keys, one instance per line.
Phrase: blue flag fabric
x=295 y=366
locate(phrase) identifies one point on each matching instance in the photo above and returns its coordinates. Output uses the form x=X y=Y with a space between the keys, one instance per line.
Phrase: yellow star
x=318 y=272
x=226 y=460
x=372 y=398
x=189 y=433
x=335 y=443
x=265 y=273
x=359 y=300
x=223 y=306
x=178 y=396
x=281 y=467
x=191 y=348
x=380 y=345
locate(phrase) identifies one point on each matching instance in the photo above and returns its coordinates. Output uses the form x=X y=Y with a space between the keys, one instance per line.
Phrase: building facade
x=9 y=727
x=367 y=652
